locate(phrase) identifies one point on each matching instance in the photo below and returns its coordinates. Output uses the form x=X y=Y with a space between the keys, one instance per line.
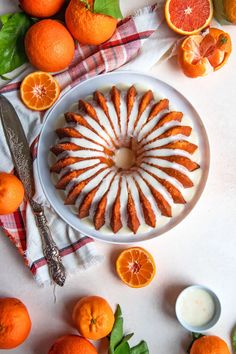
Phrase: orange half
x=136 y=267
x=39 y=91
x=188 y=16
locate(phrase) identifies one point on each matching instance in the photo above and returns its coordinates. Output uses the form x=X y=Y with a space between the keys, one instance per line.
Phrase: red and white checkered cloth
x=139 y=42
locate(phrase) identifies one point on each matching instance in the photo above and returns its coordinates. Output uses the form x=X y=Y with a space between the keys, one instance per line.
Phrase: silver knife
x=23 y=162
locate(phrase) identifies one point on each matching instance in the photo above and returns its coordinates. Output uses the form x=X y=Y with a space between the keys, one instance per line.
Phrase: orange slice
x=188 y=16
x=39 y=90
x=136 y=267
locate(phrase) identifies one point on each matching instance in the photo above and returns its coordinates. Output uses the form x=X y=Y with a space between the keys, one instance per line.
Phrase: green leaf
x=195 y=336
x=234 y=339
x=4 y=18
x=141 y=348
x=12 y=51
x=123 y=349
x=117 y=331
x=119 y=342
x=118 y=312
x=125 y=339
x=108 y=7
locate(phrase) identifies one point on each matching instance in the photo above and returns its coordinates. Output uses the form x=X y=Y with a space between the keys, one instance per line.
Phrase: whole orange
x=209 y=345
x=49 y=46
x=71 y=344
x=230 y=10
x=41 y=8
x=86 y=26
x=11 y=193
x=15 y=323
x=93 y=317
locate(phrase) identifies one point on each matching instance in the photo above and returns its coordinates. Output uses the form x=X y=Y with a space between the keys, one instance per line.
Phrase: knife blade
x=23 y=162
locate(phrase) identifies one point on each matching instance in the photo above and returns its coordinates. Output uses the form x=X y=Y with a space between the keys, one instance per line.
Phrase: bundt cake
x=124 y=159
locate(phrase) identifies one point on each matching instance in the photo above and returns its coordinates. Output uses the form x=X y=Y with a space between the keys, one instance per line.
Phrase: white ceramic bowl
x=208 y=325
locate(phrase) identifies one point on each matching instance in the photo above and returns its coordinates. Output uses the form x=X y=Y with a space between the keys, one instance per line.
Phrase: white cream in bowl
x=198 y=308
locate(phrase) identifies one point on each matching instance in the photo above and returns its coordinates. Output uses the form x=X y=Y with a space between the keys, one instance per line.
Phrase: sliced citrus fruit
x=204 y=53
x=136 y=267
x=188 y=16
x=39 y=90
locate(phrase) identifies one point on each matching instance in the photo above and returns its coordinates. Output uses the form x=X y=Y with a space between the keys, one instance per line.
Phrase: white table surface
x=199 y=250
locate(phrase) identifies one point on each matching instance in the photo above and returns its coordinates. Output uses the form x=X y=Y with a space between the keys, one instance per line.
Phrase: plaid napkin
x=139 y=42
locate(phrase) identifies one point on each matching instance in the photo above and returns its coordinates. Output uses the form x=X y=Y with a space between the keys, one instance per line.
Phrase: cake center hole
x=124 y=158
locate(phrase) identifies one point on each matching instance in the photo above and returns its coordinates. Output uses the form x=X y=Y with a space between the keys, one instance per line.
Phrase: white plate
x=84 y=89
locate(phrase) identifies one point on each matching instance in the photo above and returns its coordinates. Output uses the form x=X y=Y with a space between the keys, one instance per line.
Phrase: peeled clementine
x=136 y=267
x=209 y=345
x=41 y=8
x=49 y=46
x=86 y=26
x=11 y=193
x=93 y=317
x=15 y=323
x=71 y=344
x=201 y=54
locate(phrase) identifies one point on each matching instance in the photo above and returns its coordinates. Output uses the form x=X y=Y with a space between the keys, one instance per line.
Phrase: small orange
x=201 y=54
x=41 y=8
x=11 y=193
x=188 y=16
x=209 y=345
x=136 y=267
x=225 y=10
x=230 y=10
x=15 y=323
x=93 y=317
x=49 y=46
x=72 y=344
x=86 y=26
x=39 y=90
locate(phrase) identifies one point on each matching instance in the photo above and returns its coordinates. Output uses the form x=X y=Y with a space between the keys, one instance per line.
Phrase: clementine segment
x=136 y=267
x=41 y=8
x=49 y=46
x=188 y=16
x=72 y=344
x=209 y=345
x=39 y=90
x=15 y=323
x=201 y=54
x=11 y=193
x=88 y=27
x=93 y=317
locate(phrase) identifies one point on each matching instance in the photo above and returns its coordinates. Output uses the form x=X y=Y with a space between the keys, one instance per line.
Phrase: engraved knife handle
x=50 y=249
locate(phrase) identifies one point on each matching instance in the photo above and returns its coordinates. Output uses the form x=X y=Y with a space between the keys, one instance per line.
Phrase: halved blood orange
x=188 y=16
x=39 y=90
x=136 y=267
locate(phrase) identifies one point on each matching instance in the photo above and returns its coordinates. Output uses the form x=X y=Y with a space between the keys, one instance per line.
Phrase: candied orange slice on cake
x=136 y=267
x=39 y=91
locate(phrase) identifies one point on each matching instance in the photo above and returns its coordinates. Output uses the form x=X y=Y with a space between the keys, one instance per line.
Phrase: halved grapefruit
x=188 y=16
